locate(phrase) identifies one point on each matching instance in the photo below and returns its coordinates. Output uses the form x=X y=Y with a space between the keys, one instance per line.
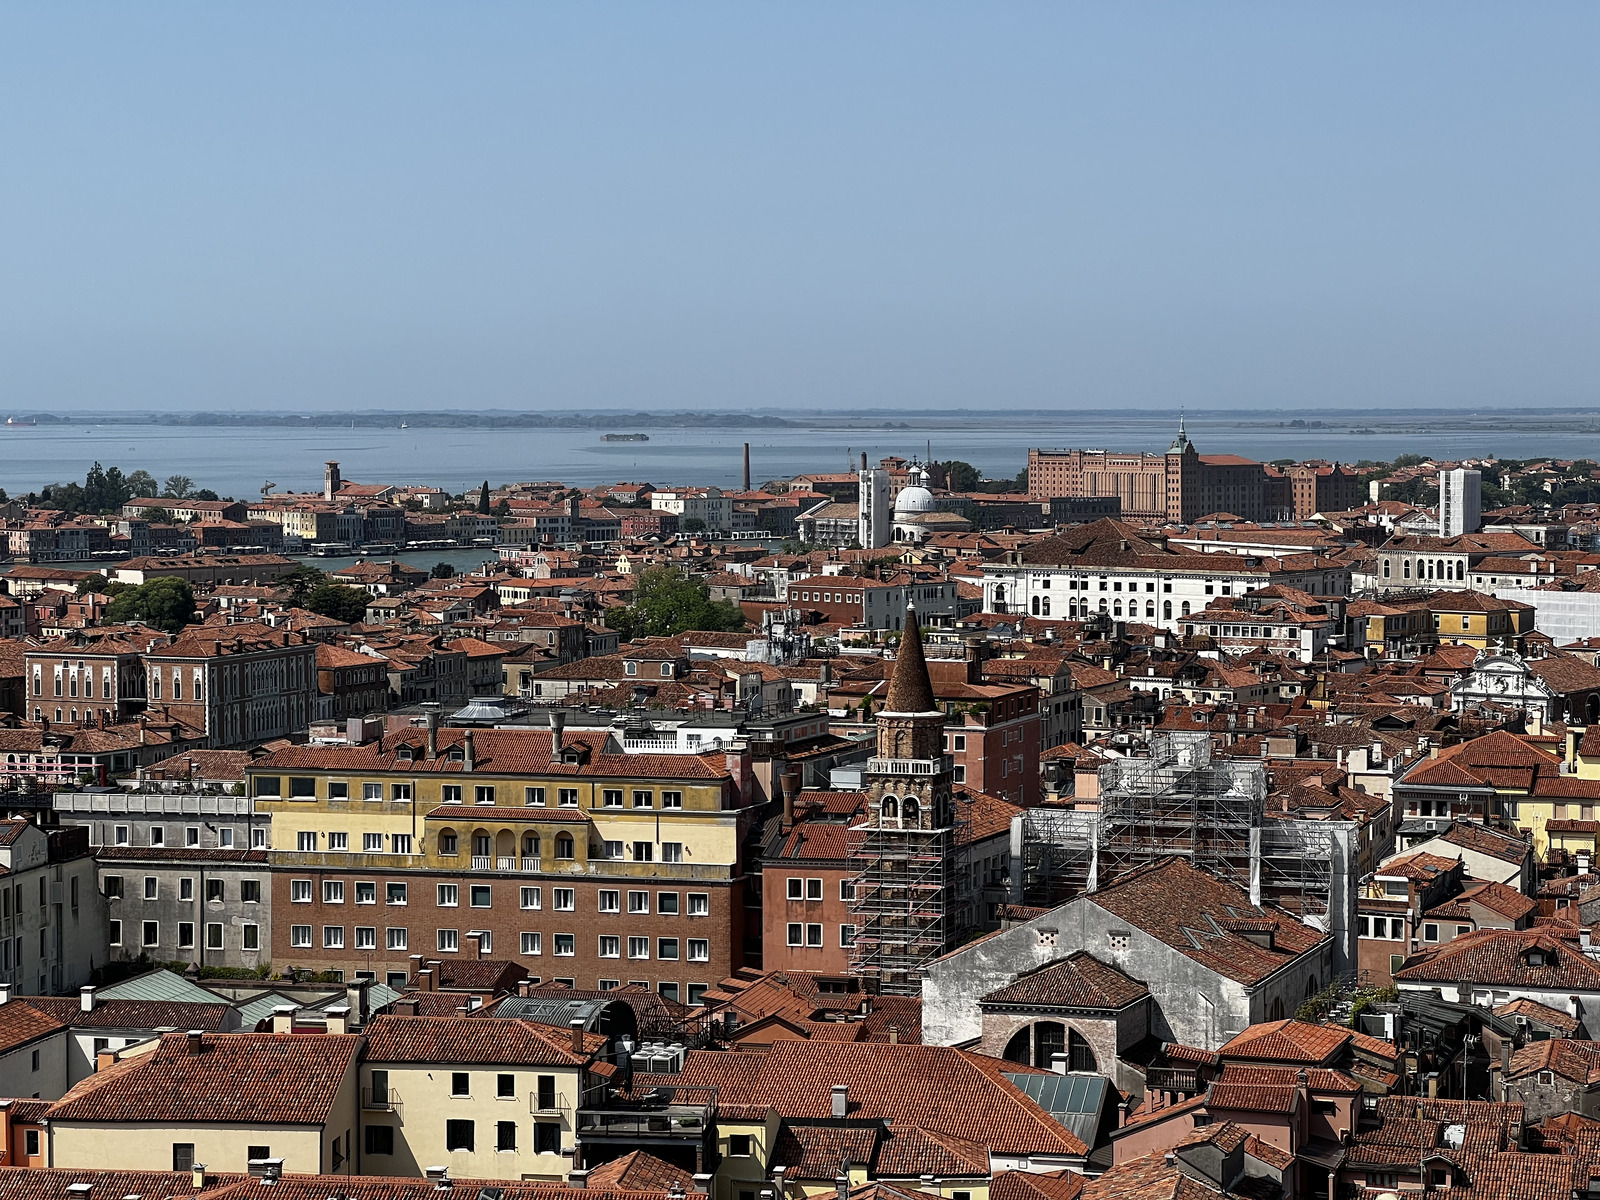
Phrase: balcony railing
x=1172 y=1079
x=480 y=862
x=530 y=864
x=908 y=766
x=505 y=862
x=382 y=1099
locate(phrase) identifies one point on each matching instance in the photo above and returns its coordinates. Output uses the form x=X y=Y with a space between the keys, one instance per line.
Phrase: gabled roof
x=236 y=1078
x=1499 y=957
x=1287 y=1042
x=638 y=1171
x=1078 y=981
x=490 y=1040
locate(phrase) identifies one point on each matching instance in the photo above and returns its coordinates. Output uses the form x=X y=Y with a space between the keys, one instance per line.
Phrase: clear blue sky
x=330 y=205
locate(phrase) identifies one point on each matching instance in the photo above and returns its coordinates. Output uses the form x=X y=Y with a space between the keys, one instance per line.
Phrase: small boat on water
x=624 y=437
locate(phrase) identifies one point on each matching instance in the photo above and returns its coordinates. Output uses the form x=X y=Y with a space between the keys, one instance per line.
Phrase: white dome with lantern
x=915 y=496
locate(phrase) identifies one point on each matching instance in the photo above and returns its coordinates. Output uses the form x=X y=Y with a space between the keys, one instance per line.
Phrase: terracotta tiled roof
x=135 y=1014
x=1542 y=1013
x=637 y=1171
x=937 y=1088
x=245 y=1078
x=815 y=1151
x=910 y=689
x=917 y=1152
x=498 y=1040
x=1498 y=957
x=21 y=1022
x=1567 y=1057
x=1028 y=1185
x=1287 y=1042
x=1187 y=909
x=45 y=1183
x=1318 y=1079
x=1078 y=981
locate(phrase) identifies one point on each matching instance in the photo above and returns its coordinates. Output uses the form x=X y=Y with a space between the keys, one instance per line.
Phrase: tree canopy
x=338 y=601
x=666 y=603
x=164 y=603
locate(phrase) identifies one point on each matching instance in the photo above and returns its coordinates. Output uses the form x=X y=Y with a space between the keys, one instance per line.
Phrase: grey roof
x=598 y=1016
x=1073 y=1100
x=159 y=984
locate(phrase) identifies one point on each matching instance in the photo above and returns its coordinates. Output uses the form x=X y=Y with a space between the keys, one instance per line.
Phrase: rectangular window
x=796 y=933
x=333 y=891
x=400 y=843
x=699 y=950
x=532 y=943
x=252 y=935
x=505 y=1137
x=533 y=797
x=568 y=797
x=372 y=791
x=366 y=937
x=214 y=935
x=119 y=835
x=671 y=799
x=566 y=945
x=531 y=897
x=613 y=850
x=611 y=797
x=546 y=1137
x=643 y=800
x=450 y=793
x=306 y=841
x=366 y=892
x=847 y=889
x=333 y=937
x=225 y=838
x=639 y=947
x=185 y=889
x=458 y=1135
x=672 y=852
x=338 y=790
x=545 y=1093
x=699 y=904
x=372 y=843
x=564 y=899
x=449 y=895
x=191 y=835
x=300 y=936
x=480 y=895
x=644 y=851
x=380 y=1139
x=610 y=901
x=183 y=1156
x=483 y=794
x=396 y=939
x=739 y=1145
x=449 y=941
x=185 y=935
x=610 y=946
x=667 y=949
x=460 y=1083
x=847 y=936
x=338 y=841
x=114 y=934
x=400 y=792
x=113 y=887
x=667 y=903
x=394 y=893
x=1430 y=932
x=302 y=788
x=813 y=935
x=215 y=890
x=813 y=889
x=639 y=902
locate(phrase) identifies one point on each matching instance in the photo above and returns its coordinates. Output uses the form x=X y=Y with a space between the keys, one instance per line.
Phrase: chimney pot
x=86 y=999
x=283 y=1018
x=576 y=1025
x=841 y=1100
x=197 y=1176
x=196 y=1040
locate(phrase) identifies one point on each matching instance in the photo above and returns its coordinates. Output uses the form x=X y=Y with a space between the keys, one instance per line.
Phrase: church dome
x=914 y=499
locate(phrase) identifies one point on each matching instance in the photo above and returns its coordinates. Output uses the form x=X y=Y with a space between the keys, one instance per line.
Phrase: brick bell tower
x=901 y=850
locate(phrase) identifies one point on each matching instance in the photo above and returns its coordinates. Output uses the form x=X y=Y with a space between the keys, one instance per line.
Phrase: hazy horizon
x=820 y=208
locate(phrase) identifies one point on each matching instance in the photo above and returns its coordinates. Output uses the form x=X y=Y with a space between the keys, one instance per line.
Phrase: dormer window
x=666 y=670
x=404 y=753
x=457 y=754
x=1535 y=958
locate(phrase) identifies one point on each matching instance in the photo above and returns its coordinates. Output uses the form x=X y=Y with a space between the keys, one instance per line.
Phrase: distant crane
x=266 y=489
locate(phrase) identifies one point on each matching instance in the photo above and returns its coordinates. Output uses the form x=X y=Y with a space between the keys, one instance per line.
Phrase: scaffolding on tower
x=908 y=902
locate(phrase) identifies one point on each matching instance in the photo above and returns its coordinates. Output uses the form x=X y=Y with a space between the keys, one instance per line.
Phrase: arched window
x=1035 y=606
x=1311 y=986
x=1049 y=1039
x=1017 y=1049
x=1150 y=609
x=1116 y=609
x=1186 y=608
x=1166 y=610
x=890 y=807
x=1386 y=568
x=1102 y=604
x=1079 y=1056
x=447 y=842
x=564 y=845
x=480 y=844
x=530 y=845
x=1044 y=607
x=1277 y=1009
x=908 y=808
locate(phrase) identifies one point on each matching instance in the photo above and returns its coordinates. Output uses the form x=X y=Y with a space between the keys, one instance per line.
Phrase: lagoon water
x=236 y=462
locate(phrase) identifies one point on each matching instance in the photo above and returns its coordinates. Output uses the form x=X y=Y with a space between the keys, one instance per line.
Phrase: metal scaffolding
x=1179 y=801
x=906 y=889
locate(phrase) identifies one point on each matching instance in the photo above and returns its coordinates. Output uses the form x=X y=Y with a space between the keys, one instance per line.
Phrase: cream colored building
x=218 y=1099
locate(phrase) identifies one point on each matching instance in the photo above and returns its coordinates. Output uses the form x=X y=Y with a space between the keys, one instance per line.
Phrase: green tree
x=503 y=508
x=179 y=487
x=1022 y=480
x=666 y=603
x=961 y=476
x=442 y=570
x=483 y=499
x=159 y=516
x=300 y=582
x=142 y=483
x=339 y=601
x=620 y=620
x=165 y=603
x=94 y=583
x=692 y=525
x=1408 y=460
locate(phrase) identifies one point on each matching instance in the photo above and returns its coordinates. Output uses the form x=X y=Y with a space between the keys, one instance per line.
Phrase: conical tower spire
x=910 y=688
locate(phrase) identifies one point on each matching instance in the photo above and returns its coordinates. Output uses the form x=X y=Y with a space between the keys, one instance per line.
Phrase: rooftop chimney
x=842 y=1182
x=197 y=1176
x=1058 y=1064
x=425 y=979
x=5 y=992
x=576 y=1025
x=339 y=1019
x=894 y=1035
x=469 y=754
x=433 y=734
x=841 y=1099
x=558 y=727
x=283 y=1018
x=196 y=1039
x=86 y=999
